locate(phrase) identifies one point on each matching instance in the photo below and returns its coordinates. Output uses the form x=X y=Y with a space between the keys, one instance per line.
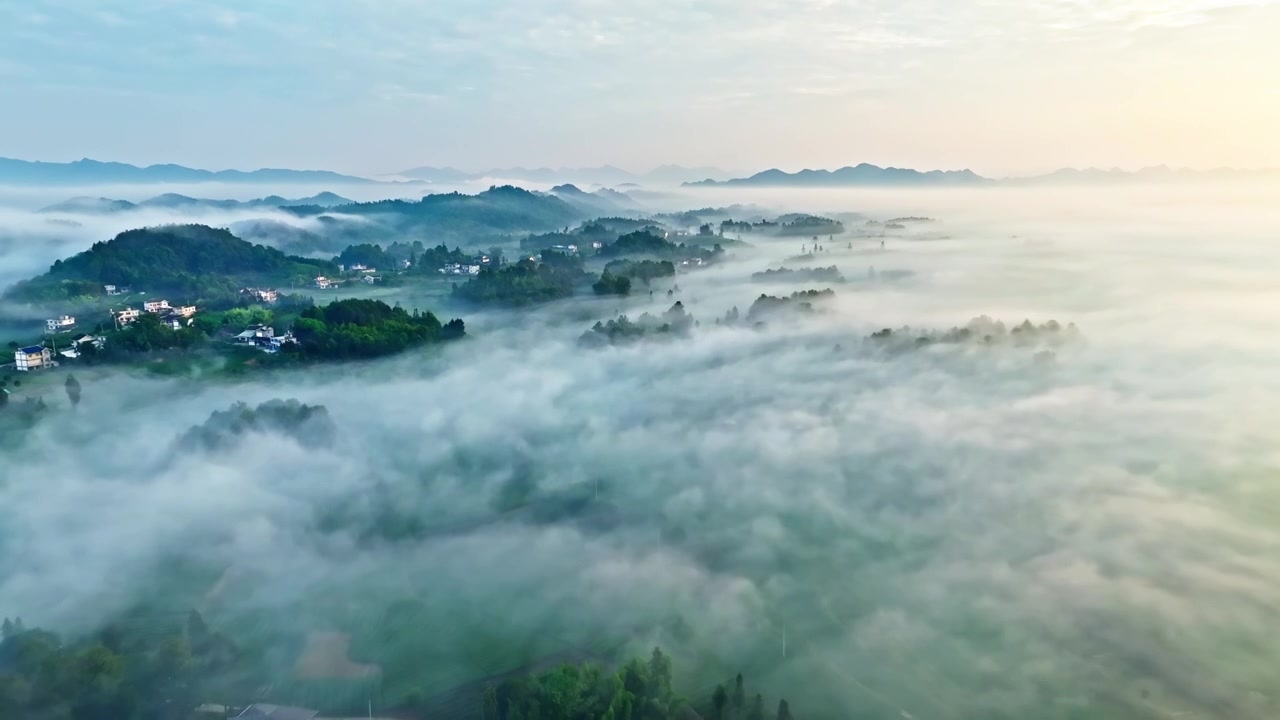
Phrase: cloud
x=953 y=531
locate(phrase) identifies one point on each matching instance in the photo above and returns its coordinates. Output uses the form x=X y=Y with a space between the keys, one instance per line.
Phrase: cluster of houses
x=264 y=338
x=459 y=269
x=39 y=357
x=268 y=295
x=175 y=317
x=113 y=290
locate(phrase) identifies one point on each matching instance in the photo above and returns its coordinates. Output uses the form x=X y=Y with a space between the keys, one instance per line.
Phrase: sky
x=378 y=86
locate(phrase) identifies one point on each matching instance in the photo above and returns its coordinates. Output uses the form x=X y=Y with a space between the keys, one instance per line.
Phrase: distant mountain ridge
x=603 y=175
x=862 y=174
x=174 y=201
x=867 y=175
x=94 y=172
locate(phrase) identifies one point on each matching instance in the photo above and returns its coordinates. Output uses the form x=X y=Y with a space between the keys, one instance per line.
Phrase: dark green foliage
x=193 y=261
x=432 y=259
x=787 y=226
x=73 y=389
x=117 y=675
x=500 y=210
x=640 y=242
x=795 y=225
x=561 y=260
x=309 y=425
x=786 y=275
x=719 y=700
x=674 y=322
x=517 y=285
x=784 y=710
x=767 y=306
x=149 y=334
x=366 y=254
x=610 y=284
x=638 y=691
x=359 y=328
x=738 y=700
x=642 y=270
x=981 y=330
x=756 y=711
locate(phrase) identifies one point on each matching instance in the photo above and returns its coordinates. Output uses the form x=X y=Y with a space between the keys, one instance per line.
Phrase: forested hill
x=504 y=209
x=176 y=259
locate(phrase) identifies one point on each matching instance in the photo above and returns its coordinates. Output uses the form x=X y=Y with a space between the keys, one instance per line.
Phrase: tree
x=719 y=698
x=784 y=710
x=489 y=704
x=739 y=699
x=73 y=390
x=757 y=708
x=197 y=632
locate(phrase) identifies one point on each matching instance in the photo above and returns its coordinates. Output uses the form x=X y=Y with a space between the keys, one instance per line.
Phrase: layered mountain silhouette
x=94 y=172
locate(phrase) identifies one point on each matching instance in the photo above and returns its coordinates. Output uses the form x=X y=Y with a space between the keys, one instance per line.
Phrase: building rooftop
x=32 y=349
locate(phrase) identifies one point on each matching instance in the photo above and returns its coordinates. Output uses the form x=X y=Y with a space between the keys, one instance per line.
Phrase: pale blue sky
x=373 y=86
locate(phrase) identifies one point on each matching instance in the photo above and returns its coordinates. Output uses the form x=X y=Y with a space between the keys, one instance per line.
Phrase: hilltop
x=191 y=261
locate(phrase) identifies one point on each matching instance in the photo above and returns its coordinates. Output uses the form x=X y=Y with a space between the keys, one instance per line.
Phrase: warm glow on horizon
x=998 y=86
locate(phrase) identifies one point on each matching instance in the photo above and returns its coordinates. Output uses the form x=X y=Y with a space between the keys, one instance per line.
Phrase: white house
x=113 y=290
x=184 y=311
x=59 y=324
x=35 y=357
x=324 y=283
x=126 y=316
x=155 y=306
x=358 y=268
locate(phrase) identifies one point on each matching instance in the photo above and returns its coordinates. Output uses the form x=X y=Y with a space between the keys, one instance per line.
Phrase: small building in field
x=156 y=306
x=59 y=324
x=324 y=283
x=34 y=357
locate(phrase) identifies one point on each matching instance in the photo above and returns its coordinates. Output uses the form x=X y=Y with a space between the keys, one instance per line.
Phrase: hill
x=94 y=172
x=174 y=201
x=863 y=174
x=193 y=262
x=503 y=209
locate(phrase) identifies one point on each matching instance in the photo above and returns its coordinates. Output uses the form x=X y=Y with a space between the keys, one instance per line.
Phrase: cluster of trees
x=432 y=259
x=640 y=690
x=640 y=242
x=360 y=328
x=610 y=284
x=642 y=270
x=309 y=425
x=517 y=285
x=786 y=225
x=802 y=301
x=786 y=275
x=674 y=322
x=198 y=262
x=147 y=334
x=601 y=230
x=367 y=254
x=982 y=330
x=120 y=673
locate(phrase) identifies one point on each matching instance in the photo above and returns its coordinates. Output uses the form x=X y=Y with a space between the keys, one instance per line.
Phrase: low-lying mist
x=938 y=530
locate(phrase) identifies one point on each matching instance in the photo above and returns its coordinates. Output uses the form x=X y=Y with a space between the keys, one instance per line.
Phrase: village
x=47 y=355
